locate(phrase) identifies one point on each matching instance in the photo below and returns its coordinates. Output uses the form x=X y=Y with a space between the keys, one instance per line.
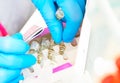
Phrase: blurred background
x=104 y=45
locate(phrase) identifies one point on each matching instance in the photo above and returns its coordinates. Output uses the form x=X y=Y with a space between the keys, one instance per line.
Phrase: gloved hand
x=73 y=11
x=13 y=58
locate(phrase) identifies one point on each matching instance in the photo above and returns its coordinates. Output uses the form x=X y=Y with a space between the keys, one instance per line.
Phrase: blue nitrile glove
x=13 y=58
x=73 y=11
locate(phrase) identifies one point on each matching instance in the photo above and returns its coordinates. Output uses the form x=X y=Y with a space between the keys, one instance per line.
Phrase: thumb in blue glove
x=13 y=58
x=73 y=11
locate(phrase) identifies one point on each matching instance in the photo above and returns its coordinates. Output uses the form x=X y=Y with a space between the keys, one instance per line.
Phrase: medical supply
x=54 y=61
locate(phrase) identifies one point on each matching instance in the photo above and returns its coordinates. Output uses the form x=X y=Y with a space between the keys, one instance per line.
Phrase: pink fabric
x=3 y=32
x=0 y=33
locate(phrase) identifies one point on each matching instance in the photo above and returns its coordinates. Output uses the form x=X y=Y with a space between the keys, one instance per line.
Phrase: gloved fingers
x=17 y=36
x=82 y=4
x=16 y=80
x=48 y=10
x=73 y=15
x=7 y=75
x=16 y=61
x=12 y=45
